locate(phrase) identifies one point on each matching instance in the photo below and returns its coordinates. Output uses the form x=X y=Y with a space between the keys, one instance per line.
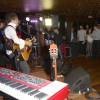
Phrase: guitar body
x=25 y=52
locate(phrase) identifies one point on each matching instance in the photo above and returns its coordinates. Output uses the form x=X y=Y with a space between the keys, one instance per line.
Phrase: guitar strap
x=11 y=26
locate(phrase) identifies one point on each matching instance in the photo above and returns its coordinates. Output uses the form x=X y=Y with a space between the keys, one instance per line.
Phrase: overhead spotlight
x=48 y=22
x=27 y=19
x=41 y=19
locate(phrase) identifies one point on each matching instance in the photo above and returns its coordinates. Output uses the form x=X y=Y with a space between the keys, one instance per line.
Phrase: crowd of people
x=87 y=38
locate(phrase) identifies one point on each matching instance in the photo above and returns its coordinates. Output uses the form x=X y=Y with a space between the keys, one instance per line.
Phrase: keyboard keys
x=10 y=82
x=18 y=85
x=21 y=87
x=15 y=85
x=27 y=90
x=33 y=92
x=40 y=95
x=3 y=80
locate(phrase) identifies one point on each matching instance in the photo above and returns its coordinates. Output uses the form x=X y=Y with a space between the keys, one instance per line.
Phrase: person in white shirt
x=81 y=36
x=96 y=42
x=12 y=38
x=89 y=40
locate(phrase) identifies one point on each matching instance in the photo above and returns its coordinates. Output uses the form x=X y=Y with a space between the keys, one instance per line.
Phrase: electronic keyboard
x=27 y=87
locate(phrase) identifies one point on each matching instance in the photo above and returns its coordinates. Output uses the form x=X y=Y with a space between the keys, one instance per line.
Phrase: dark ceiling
x=68 y=7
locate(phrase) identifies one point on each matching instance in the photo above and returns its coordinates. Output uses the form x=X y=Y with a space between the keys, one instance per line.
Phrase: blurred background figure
x=96 y=42
x=89 y=40
x=2 y=26
x=81 y=36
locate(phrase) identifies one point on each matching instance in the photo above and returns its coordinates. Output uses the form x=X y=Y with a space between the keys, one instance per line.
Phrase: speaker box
x=78 y=80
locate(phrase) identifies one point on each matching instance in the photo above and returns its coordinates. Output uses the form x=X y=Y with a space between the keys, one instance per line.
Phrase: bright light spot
x=41 y=19
x=34 y=21
x=47 y=4
x=27 y=19
x=48 y=22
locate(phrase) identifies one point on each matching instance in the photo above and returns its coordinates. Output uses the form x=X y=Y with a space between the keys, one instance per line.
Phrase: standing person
x=96 y=42
x=2 y=26
x=11 y=38
x=73 y=42
x=81 y=36
x=57 y=40
x=56 y=37
x=89 y=39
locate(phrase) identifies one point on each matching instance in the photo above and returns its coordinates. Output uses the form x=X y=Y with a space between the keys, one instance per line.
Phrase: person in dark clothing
x=56 y=37
x=2 y=25
x=11 y=38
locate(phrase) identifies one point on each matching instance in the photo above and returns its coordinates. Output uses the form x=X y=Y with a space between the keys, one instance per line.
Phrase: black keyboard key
x=10 y=82
x=15 y=85
x=33 y=92
x=40 y=95
x=27 y=89
x=21 y=87
x=3 y=80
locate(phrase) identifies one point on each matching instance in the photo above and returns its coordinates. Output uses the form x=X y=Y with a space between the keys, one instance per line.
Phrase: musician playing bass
x=11 y=38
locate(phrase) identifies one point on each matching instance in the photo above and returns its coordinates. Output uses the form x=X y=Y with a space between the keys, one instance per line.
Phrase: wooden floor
x=92 y=66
